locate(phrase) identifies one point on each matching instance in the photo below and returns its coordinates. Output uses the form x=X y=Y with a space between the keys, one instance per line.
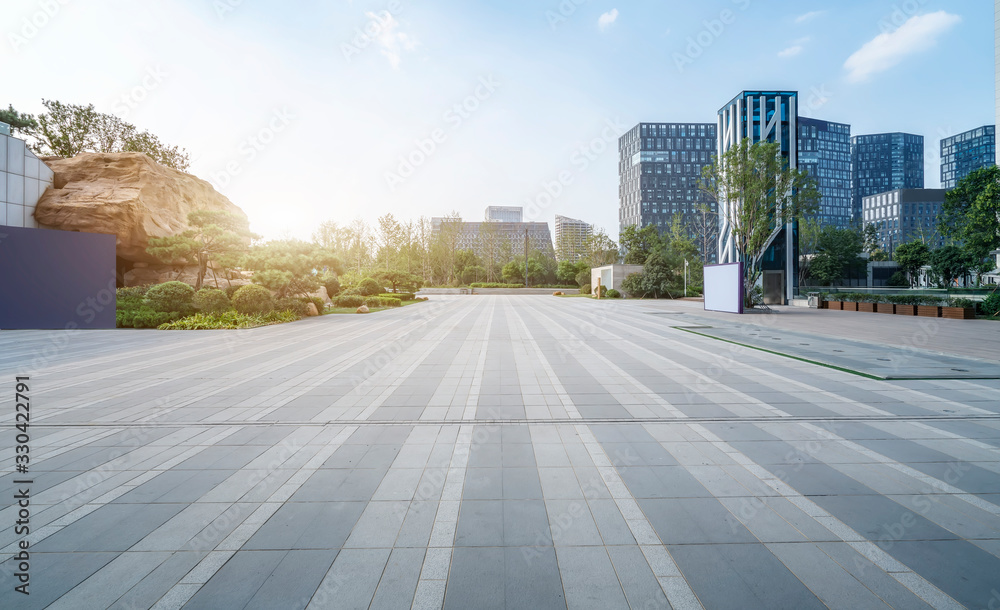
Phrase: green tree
x=291 y=267
x=67 y=130
x=567 y=271
x=19 y=122
x=388 y=238
x=213 y=235
x=637 y=244
x=971 y=212
x=950 y=263
x=809 y=232
x=399 y=280
x=601 y=249
x=473 y=273
x=757 y=192
x=911 y=257
x=837 y=253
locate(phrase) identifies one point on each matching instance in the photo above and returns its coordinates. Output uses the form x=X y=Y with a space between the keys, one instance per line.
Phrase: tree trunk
x=202 y=265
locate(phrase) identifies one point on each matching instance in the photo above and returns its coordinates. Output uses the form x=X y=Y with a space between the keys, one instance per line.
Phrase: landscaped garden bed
x=901 y=305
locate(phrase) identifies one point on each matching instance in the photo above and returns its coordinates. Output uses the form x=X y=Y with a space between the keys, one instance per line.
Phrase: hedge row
x=494 y=285
x=229 y=319
x=402 y=296
x=897 y=299
x=354 y=300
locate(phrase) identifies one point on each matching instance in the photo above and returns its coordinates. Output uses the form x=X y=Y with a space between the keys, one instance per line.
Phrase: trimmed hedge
x=402 y=296
x=897 y=299
x=494 y=285
x=383 y=302
x=144 y=318
x=253 y=299
x=296 y=306
x=349 y=300
x=613 y=294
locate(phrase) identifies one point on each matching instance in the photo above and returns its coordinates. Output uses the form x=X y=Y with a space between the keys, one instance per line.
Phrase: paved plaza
x=511 y=452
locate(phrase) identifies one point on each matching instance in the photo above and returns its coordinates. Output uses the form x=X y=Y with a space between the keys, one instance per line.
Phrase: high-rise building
x=996 y=62
x=963 y=153
x=763 y=116
x=825 y=154
x=505 y=213
x=571 y=238
x=883 y=162
x=659 y=166
x=903 y=215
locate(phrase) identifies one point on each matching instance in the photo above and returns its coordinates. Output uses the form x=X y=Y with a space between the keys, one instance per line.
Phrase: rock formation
x=134 y=198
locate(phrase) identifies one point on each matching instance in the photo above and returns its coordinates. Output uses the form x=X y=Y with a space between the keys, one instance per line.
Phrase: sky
x=334 y=110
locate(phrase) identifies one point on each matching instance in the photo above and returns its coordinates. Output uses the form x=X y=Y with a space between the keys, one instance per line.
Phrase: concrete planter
x=866 y=307
x=959 y=313
x=885 y=308
x=929 y=311
x=906 y=310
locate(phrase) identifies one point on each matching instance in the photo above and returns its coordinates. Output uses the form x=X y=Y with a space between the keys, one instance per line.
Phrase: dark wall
x=56 y=279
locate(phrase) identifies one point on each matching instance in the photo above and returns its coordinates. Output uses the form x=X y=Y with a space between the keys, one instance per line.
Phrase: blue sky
x=298 y=119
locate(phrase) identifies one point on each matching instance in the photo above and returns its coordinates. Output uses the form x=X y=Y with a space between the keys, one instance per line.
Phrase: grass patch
x=354 y=310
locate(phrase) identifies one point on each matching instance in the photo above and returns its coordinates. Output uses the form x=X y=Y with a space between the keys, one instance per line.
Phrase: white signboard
x=724 y=287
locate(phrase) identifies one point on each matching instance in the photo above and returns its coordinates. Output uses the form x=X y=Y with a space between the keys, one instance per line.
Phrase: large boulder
x=125 y=194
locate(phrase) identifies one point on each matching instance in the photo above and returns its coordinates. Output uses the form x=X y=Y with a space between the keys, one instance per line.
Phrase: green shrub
x=898 y=280
x=603 y=291
x=583 y=278
x=961 y=302
x=332 y=284
x=211 y=300
x=171 y=296
x=318 y=302
x=349 y=300
x=131 y=292
x=402 y=296
x=585 y=289
x=229 y=319
x=614 y=294
x=991 y=305
x=382 y=302
x=368 y=287
x=296 y=306
x=253 y=299
x=231 y=290
x=147 y=318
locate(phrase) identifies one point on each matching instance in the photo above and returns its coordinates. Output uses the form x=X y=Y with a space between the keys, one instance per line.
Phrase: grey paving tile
x=534 y=583
x=519 y=483
x=957 y=567
x=879 y=582
x=480 y=523
x=740 y=576
x=589 y=578
x=294 y=580
x=483 y=484
x=693 y=521
x=642 y=590
x=476 y=579
x=399 y=581
x=352 y=579
x=525 y=523
x=236 y=582
x=307 y=525
x=662 y=482
x=59 y=572
x=881 y=520
x=113 y=527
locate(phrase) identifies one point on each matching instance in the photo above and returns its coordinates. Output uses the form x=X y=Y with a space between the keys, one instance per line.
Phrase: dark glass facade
x=883 y=162
x=659 y=165
x=825 y=154
x=966 y=152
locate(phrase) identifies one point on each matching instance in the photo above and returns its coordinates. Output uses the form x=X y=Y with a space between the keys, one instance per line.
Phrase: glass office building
x=825 y=154
x=659 y=165
x=883 y=162
x=764 y=116
x=966 y=152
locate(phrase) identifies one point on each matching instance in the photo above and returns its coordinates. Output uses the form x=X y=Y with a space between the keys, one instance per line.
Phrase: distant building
x=963 y=153
x=903 y=215
x=496 y=237
x=825 y=154
x=659 y=166
x=883 y=162
x=503 y=213
x=571 y=238
x=764 y=116
x=23 y=179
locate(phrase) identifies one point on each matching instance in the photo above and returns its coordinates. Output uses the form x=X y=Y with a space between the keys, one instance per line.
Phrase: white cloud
x=808 y=16
x=917 y=34
x=607 y=18
x=392 y=42
x=791 y=51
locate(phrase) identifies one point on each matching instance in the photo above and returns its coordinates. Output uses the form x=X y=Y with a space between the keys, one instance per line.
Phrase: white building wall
x=23 y=179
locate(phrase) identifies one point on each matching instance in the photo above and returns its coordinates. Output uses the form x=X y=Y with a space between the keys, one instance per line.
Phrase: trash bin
x=813 y=299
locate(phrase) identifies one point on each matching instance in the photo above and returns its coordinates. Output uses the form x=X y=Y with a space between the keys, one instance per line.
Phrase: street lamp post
x=685 y=277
